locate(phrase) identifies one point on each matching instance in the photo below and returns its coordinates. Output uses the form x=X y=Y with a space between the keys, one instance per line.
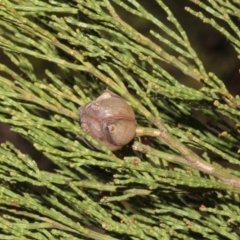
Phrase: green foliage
x=167 y=184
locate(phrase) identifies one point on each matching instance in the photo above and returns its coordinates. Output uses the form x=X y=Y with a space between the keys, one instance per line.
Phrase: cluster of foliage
x=169 y=183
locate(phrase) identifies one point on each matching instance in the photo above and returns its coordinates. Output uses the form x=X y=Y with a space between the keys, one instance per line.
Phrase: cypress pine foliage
x=178 y=178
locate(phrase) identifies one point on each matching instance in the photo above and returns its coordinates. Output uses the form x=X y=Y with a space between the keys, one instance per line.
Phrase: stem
x=187 y=156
